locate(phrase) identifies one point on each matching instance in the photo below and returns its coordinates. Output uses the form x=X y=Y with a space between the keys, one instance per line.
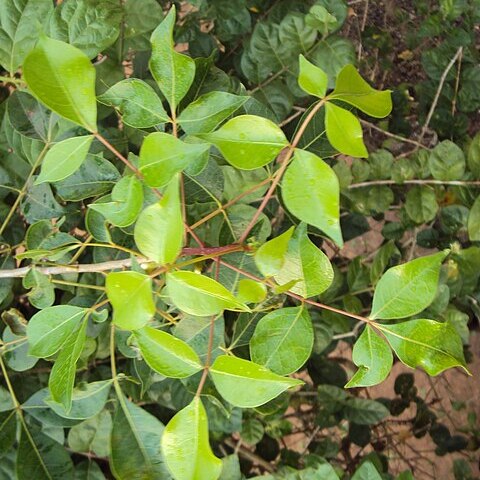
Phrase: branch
x=457 y=183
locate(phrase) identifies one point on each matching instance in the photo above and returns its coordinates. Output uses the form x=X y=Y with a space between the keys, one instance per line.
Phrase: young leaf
x=474 y=221
x=159 y=228
x=167 y=354
x=199 y=295
x=87 y=401
x=162 y=156
x=344 y=131
x=407 y=289
x=283 y=340
x=62 y=376
x=40 y=457
x=173 y=71
x=247 y=141
x=246 y=384
x=137 y=102
x=19 y=30
x=48 y=329
x=250 y=291
x=434 y=346
x=130 y=294
x=306 y=265
x=312 y=79
x=270 y=257
x=207 y=112
x=64 y=159
x=126 y=204
x=186 y=446
x=62 y=77
x=135 y=443
x=311 y=192
x=373 y=357
x=353 y=89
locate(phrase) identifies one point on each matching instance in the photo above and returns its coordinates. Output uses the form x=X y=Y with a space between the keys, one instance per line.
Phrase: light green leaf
x=344 y=131
x=353 y=89
x=312 y=79
x=311 y=192
x=162 y=156
x=137 y=102
x=62 y=376
x=250 y=291
x=474 y=221
x=305 y=264
x=130 y=294
x=246 y=384
x=421 y=204
x=407 y=289
x=367 y=471
x=167 y=354
x=207 y=112
x=135 y=444
x=447 y=161
x=283 y=340
x=159 y=228
x=64 y=159
x=270 y=257
x=434 y=346
x=19 y=22
x=126 y=204
x=40 y=457
x=87 y=401
x=173 y=71
x=48 y=329
x=247 y=141
x=186 y=446
x=200 y=295
x=373 y=357
x=89 y=26
x=63 y=78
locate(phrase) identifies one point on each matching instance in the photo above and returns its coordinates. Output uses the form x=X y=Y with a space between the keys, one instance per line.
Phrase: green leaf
x=373 y=357
x=367 y=472
x=270 y=257
x=207 y=112
x=246 y=384
x=311 y=192
x=421 y=204
x=63 y=78
x=344 y=131
x=364 y=411
x=135 y=444
x=159 y=228
x=407 y=289
x=89 y=26
x=186 y=446
x=137 y=102
x=92 y=435
x=19 y=29
x=173 y=71
x=434 y=346
x=247 y=141
x=167 y=354
x=474 y=221
x=306 y=265
x=473 y=156
x=48 y=329
x=283 y=340
x=87 y=400
x=64 y=159
x=126 y=204
x=162 y=156
x=8 y=430
x=62 y=376
x=447 y=161
x=312 y=79
x=42 y=293
x=17 y=354
x=353 y=89
x=199 y=295
x=250 y=291
x=40 y=457
x=130 y=294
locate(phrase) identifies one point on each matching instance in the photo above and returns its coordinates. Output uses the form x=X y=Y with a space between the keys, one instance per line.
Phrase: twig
x=457 y=183
x=243 y=452
x=392 y=135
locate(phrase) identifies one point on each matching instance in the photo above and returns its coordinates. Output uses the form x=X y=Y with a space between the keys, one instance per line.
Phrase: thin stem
x=392 y=135
x=9 y=385
x=76 y=284
x=283 y=166
x=208 y=359
x=459 y=183
x=113 y=365
x=110 y=147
